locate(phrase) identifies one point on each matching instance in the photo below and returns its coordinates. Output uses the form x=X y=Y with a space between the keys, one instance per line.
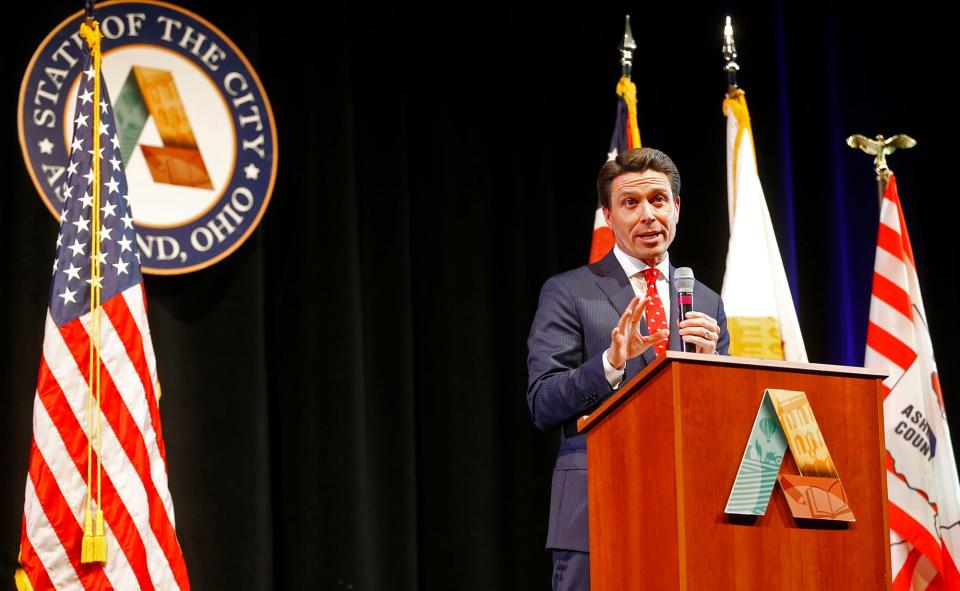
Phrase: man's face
x=643 y=214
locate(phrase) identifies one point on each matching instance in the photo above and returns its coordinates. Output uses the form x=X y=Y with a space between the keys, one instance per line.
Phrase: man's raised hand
x=626 y=342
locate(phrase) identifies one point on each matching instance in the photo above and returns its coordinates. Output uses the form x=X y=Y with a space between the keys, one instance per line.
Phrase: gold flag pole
x=880 y=148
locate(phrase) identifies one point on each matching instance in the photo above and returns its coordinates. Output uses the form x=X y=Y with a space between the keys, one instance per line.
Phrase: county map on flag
x=118 y=459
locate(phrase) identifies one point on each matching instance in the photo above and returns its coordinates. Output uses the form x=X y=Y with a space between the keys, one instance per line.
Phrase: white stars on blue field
x=118 y=260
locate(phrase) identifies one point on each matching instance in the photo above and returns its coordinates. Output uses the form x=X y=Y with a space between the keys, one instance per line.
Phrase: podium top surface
x=585 y=422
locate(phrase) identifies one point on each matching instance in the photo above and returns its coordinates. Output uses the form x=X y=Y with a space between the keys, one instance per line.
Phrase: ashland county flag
x=760 y=313
x=626 y=136
x=142 y=551
x=922 y=485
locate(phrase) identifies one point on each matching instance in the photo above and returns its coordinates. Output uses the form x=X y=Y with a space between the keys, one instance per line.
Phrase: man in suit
x=590 y=334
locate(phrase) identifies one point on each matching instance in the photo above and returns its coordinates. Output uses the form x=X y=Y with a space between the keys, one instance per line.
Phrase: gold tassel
x=100 y=540
x=20 y=578
x=86 y=549
x=94 y=548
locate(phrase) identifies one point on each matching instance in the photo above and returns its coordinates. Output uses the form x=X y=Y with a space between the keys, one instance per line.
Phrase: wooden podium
x=663 y=453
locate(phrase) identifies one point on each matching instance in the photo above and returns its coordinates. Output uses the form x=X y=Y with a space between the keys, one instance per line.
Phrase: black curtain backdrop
x=344 y=396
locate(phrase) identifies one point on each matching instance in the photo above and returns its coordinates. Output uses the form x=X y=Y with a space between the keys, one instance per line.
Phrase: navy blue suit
x=570 y=332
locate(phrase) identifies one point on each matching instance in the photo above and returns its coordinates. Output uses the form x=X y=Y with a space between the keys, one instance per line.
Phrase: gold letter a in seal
x=786 y=419
x=147 y=92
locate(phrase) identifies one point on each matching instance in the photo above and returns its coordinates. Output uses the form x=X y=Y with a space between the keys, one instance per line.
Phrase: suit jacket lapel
x=613 y=282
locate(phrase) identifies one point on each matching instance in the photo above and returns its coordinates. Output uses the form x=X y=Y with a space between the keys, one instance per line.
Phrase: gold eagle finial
x=881 y=147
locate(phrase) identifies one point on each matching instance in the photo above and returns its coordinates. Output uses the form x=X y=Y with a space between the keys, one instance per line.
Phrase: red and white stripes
x=922 y=484
x=142 y=547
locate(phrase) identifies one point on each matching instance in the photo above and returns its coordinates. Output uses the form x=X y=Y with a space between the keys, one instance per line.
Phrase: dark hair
x=636 y=160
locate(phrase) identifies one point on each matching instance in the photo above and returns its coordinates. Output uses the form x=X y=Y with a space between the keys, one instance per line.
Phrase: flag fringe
x=736 y=103
x=628 y=90
x=22 y=581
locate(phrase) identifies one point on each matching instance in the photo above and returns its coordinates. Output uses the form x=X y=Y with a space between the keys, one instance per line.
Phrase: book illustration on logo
x=812 y=497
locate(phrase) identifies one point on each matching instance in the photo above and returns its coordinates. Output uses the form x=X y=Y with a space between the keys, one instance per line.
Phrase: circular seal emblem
x=195 y=129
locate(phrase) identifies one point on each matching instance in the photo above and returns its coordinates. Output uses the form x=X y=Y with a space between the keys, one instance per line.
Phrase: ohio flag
x=761 y=317
x=922 y=484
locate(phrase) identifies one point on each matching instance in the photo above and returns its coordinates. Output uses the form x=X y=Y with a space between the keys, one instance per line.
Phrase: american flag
x=626 y=136
x=922 y=484
x=142 y=547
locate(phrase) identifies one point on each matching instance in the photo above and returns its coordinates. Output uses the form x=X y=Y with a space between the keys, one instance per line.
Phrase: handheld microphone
x=683 y=280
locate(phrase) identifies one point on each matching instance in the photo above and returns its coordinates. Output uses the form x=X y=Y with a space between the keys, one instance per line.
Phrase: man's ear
x=606 y=214
x=678 y=207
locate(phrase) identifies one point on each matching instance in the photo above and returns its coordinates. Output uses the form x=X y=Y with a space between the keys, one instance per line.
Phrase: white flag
x=761 y=317
x=922 y=485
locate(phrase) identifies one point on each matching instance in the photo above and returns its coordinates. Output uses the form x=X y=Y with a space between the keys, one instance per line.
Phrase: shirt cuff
x=614 y=376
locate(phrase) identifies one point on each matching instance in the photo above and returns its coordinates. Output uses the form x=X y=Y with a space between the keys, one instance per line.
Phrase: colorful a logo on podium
x=786 y=419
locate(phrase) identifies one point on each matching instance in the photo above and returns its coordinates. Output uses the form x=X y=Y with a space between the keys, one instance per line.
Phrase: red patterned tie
x=656 y=318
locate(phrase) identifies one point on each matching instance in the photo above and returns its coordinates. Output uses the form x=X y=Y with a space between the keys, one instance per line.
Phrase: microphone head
x=683 y=279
